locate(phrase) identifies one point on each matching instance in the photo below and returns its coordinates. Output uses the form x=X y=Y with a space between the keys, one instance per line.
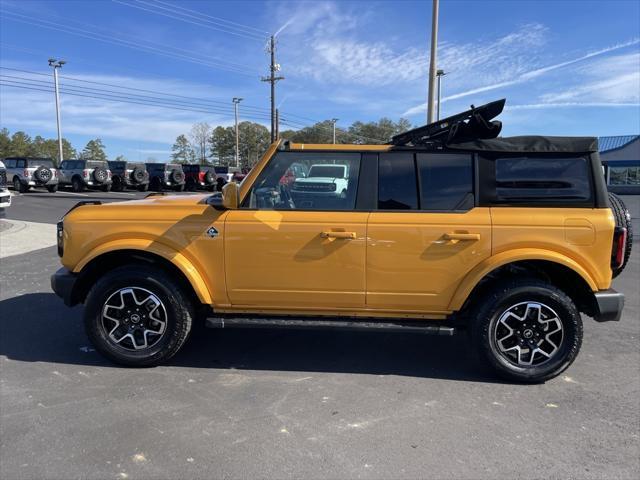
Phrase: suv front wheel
x=137 y=316
x=527 y=330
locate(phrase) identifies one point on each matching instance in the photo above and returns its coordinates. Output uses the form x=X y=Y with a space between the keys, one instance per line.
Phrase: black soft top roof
x=530 y=144
x=475 y=130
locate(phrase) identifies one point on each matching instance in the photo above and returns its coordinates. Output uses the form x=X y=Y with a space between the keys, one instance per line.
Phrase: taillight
x=26 y=172
x=85 y=173
x=619 y=246
x=60 y=237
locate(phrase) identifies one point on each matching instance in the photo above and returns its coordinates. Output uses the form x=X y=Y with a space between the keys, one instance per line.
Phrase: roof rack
x=475 y=123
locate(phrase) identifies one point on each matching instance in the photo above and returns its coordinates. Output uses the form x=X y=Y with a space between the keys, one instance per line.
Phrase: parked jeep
x=331 y=179
x=5 y=196
x=24 y=173
x=128 y=175
x=83 y=174
x=448 y=228
x=199 y=176
x=166 y=176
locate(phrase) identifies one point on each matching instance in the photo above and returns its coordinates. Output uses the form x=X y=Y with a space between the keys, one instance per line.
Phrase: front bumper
x=5 y=199
x=63 y=283
x=610 y=304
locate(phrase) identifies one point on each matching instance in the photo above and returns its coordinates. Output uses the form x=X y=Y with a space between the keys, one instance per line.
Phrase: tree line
x=20 y=144
x=206 y=144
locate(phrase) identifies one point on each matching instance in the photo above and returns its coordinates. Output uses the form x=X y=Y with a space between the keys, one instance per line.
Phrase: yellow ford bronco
x=449 y=227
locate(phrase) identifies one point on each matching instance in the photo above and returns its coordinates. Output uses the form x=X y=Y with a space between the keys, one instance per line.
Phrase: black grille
x=3 y=179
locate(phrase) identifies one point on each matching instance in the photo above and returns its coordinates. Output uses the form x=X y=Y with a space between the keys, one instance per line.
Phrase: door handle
x=342 y=235
x=462 y=236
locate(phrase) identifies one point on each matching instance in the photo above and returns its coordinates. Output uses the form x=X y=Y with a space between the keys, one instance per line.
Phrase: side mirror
x=228 y=199
x=230 y=196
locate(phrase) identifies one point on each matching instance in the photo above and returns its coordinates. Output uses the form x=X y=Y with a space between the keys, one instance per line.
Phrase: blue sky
x=566 y=68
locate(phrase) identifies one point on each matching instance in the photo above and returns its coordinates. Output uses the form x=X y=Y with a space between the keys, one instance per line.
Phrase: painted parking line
x=122 y=193
x=72 y=193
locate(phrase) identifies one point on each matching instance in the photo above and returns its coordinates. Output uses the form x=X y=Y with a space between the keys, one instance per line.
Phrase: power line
x=200 y=22
x=212 y=17
x=194 y=99
x=126 y=43
x=113 y=98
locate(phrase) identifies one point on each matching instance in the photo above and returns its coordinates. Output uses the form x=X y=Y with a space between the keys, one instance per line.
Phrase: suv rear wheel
x=137 y=316
x=77 y=185
x=527 y=330
x=18 y=186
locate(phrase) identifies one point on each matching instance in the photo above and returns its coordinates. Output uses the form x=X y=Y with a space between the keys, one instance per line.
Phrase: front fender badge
x=212 y=232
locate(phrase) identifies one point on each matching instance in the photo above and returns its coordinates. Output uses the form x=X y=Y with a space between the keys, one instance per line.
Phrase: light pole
x=334 y=120
x=433 y=62
x=236 y=101
x=439 y=74
x=56 y=64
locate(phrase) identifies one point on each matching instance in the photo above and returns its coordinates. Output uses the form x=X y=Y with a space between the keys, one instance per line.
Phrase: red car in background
x=199 y=177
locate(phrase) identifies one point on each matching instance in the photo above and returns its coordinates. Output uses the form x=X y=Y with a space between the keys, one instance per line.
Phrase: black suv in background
x=82 y=174
x=128 y=175
x=199 y=176
x=166 y=176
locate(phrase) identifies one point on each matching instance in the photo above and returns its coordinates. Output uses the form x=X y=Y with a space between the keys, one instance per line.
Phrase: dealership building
x=620 y=157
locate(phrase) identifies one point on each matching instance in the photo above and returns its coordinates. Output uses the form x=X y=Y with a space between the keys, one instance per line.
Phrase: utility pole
x=433 y=62
x=277 y=124
x=334 y=120
x=439 y=74
x=236 y=101
x=272 y=79
x=56 y=64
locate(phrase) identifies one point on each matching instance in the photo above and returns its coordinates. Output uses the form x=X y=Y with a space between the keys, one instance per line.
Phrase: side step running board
x=320 y=324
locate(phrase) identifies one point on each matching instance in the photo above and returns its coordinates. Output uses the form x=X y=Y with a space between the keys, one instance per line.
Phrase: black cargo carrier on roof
x=474 y=130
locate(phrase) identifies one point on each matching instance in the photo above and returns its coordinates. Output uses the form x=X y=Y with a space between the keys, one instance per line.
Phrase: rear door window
x=446 y=181
x=397 y=183
x=522 y=179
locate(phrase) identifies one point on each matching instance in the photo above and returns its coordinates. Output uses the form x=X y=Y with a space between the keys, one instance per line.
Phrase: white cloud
x=614 y=79
x=626 y=80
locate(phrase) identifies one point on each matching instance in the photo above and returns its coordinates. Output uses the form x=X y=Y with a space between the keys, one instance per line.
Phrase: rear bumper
x=63 y=283
x=610 y=304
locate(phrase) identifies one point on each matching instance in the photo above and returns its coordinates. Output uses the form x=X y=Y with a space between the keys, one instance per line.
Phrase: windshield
x=41 y=163
x=332 y=171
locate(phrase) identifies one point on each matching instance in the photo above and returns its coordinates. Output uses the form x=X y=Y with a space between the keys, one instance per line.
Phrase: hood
x=317 y=180
x=168 y=208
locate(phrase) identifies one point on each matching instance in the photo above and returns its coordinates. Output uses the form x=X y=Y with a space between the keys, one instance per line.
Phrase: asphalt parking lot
x=291 y=404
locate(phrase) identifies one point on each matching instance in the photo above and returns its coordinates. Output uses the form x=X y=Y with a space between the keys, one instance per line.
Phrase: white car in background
x=5 y=196
x=323 y=179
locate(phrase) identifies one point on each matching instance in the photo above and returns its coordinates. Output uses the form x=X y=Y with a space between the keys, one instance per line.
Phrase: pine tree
x=182 y=150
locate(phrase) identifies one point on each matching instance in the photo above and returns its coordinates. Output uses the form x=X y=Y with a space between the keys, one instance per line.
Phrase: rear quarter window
x=526 y=179
x=446 y=181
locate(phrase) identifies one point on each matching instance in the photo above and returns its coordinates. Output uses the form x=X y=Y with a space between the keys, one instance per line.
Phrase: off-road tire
x=106 y=188
x=100 y=175
x=496 y=300
x=143 y=188
x=43 y=174
x=77 y=185
x=179 y=308
x=623 y=219
x=179 y=188
x=52 y=188
x=18 y=186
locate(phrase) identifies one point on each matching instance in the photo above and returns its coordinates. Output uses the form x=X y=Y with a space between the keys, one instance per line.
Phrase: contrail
x=525 y=77
x=539 y=106
x=283 y=27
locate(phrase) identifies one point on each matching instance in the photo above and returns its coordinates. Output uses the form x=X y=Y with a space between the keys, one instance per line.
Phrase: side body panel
x=279 y=259
x=583 y=235
x=411 y=265
x=178 y=232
